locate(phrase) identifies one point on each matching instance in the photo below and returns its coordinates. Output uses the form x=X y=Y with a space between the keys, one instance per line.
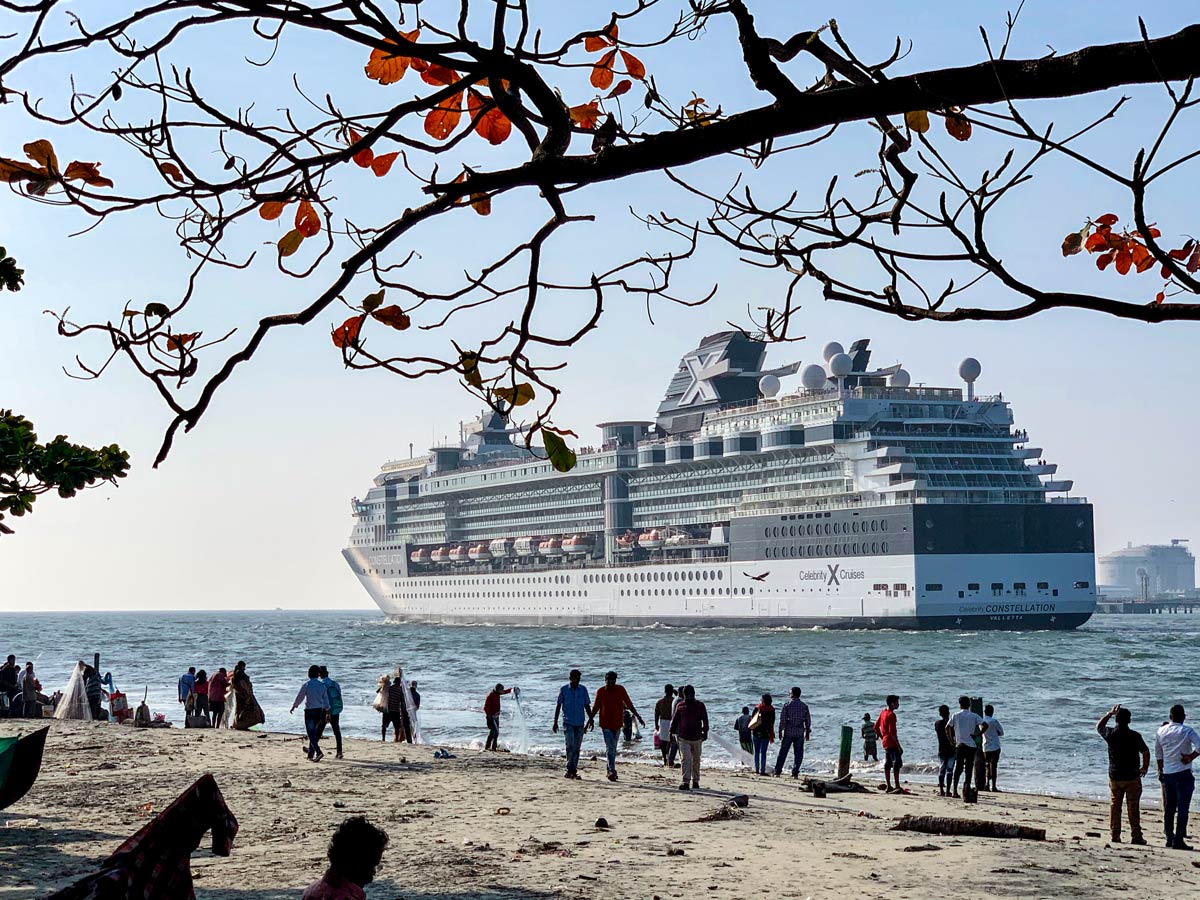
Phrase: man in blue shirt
x=315 y=698
x=187 y=686
x=333 y=693
x=575 y=706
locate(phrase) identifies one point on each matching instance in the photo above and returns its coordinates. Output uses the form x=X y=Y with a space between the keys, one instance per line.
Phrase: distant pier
x=1176 y=607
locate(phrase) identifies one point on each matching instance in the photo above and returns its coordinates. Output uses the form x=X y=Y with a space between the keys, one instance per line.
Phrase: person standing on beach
x=762 y=729
x=412 y=689
x=991 y=748
x=795 y=727
x=95 y=692
x=397 y=708
x=1128 y=763
x=870 y=739
x=893 y=754
x=742 y=726
x=573 y=703
x=28 y=684
x=217 y=686
x=316 y=707
x=664 y=710
x=8 y=681
x=333 y=691
x=187 y=684
x=1175 y=746
x=355 y=851
x=612 y=701
x=200 y=695
x=965 y=722
x=690 y=728
x=491 y=711
x=945 y=744
x=247 y=712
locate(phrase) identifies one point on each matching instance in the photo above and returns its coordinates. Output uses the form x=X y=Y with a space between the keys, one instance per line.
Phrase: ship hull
x=1030 y=591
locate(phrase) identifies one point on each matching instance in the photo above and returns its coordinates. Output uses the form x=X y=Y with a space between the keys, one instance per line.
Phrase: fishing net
x=520 y=727
x=734 y=750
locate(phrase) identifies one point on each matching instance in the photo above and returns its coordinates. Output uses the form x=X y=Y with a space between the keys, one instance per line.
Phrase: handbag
x=755 y=721
x=380 y=703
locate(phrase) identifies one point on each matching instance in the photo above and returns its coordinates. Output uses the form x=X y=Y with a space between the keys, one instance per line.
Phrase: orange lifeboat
x=577 y=545
x=441 y=556
x=550 y=547
x=420 y=557
x=626 y=542
x=480 y=553
x=650 y=540
x=459 y=554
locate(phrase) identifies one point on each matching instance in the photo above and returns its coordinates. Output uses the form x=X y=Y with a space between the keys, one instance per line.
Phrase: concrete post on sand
x=844 y=751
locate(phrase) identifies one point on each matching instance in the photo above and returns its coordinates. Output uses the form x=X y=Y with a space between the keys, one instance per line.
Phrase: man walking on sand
x=1175 y=746
x=491 y=712
x=795 y=727
x=612 y=701
x=664 y=711
x=965 y=722
x=575 y=707
x=991 y=748
x=333 y=691
x=893 y=755
x=1128 y=763
x=315 y=697
x=690 y=728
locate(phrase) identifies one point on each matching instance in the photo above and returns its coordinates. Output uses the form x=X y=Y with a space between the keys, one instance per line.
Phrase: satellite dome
x=832 y=349
x=840 y=364
x=900 y=379
x=768 y=385
x=813 y=377
x=969 y=369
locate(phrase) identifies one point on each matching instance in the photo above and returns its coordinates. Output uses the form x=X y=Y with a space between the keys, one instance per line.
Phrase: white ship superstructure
x=858 y=500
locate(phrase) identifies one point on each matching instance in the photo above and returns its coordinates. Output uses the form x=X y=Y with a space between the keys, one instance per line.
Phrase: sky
x=252 y=507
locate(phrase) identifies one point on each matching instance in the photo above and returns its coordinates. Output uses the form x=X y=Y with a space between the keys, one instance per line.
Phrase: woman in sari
x=247 y=712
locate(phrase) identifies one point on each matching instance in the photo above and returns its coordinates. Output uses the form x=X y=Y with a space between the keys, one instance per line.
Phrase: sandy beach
x=499 y=826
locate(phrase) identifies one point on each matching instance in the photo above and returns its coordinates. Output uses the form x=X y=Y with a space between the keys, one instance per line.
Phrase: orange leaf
x=958 y=126
x=346 y=334
x=386 y=66
x=1159 y=297
x=606 y=38
x=1107 y=219
x=364 y=157
x=1123 y=261
x=290 y=243
x=393 y=316
x=42 y=152
x=585 y=115
x=271 y=210
x=381 y=165
x=602 y=71
x=14 y=171
x=493 y=126
x=633 y=65
x=179 y=341
x=439 y=74
x=441 y=121
x=170 y=170
x=308 y=223
x=482 y=204
x=1142 y=259
x=622 y=87
x=1103 y=261
x=88 y=173
x=1097 y=241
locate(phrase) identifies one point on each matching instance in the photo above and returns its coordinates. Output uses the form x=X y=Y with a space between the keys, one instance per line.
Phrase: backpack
x=141 y=718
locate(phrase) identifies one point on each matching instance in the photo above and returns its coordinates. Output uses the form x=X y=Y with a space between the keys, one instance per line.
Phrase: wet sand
x=450 y=836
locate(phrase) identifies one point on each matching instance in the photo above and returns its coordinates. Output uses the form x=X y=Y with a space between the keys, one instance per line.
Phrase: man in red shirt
x=491 y=709
x=893 y=757
x=611 y=702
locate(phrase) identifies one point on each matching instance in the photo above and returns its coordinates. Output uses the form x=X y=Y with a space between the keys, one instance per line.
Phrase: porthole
x=883 y=526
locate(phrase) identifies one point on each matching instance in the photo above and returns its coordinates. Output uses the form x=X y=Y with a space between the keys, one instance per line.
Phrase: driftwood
x=835 y=786
x=968 y=828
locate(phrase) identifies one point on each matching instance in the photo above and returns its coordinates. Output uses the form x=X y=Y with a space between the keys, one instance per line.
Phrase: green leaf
x=290 y=243
x=560 y=455
x=917 y=120
x=372 y=302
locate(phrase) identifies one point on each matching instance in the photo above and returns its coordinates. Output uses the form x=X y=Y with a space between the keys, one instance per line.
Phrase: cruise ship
x=857 y=500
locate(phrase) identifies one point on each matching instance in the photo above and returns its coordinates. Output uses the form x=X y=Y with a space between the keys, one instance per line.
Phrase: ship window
x=883 y=525
x=855 y=547
x=854 y=527
x=874 y=547
x=874 y=524
x=828 y=529
x=883 y=546
x=1082 y=584
x=899 y=587
x=766 y=532
x=972 y=586
x=933 y=587
x=1054 y=593
x=1018 y=585
x=720 y=575
x=1043 y=585
x=997 y=585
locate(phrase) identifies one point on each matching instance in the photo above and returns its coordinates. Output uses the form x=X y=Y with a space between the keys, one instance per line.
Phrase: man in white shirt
x=315 y=696
x=1175 y=746
x=964 y=722
x=991 y=748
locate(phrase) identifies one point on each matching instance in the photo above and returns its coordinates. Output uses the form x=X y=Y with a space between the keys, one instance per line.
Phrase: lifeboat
x=679 y=539
x=420 y=557
x=650 y=540
x=524 y=546
x=501 y=548
x=441 y=556
x=459 y=554
x=480 y=553
x=626 y=542
x=577 y=545
x=550 y=547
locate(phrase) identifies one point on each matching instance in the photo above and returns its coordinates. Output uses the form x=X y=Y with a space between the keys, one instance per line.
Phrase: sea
x=1048 y=687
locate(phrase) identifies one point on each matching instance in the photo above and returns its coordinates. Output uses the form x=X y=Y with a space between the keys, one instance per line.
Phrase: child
x=869 y=738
